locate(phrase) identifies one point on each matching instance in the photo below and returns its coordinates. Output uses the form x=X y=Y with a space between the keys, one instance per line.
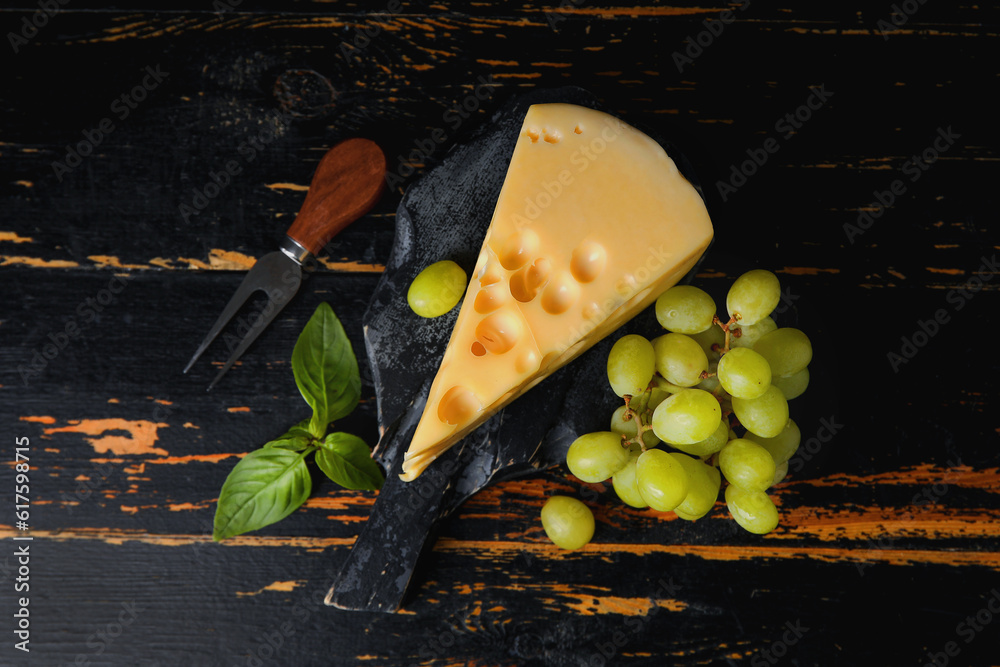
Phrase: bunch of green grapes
x=706 y=400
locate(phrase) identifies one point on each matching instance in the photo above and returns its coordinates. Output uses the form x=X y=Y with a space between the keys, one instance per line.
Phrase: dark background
x=889 y=539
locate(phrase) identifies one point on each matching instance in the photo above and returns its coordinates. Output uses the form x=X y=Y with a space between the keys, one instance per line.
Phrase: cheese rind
x=593 y=222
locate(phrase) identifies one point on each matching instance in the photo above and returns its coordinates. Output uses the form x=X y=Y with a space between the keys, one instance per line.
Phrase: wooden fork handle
x=348 y=182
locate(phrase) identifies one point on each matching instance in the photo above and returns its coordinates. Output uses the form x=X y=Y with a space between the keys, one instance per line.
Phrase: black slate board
x=445 y=215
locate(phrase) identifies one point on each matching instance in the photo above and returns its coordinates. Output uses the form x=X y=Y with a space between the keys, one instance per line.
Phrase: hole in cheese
x=489 y=275
x=498 y=332
x=490 y=298
x=458 y=405
x=524 y=284
x=588 y=261
x=518 y=249
x=560 y=294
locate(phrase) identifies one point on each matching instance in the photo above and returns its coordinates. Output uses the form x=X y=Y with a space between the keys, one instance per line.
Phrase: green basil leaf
x=326 y=370
x=265 y=486
x=347 y=460
x=296 y=439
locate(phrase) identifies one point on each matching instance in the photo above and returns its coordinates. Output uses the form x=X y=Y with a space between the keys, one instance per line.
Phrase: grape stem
x=725 y=327
x=640 y=426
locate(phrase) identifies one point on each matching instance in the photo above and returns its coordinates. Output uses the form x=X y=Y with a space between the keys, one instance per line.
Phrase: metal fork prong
x=246 y=288
x=266 y=317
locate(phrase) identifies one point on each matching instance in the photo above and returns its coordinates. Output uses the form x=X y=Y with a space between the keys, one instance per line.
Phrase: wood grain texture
x=889 y=539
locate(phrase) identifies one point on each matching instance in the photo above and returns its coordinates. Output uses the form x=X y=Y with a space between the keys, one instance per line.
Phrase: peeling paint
x=142 y=435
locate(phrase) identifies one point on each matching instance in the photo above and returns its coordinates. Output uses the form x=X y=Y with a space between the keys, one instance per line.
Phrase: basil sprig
x=272 y=482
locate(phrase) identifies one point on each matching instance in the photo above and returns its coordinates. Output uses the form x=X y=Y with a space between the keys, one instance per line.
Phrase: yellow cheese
x=593 y=222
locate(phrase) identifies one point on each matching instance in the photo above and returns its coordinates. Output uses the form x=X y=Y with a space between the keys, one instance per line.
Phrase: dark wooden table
x=873 y=197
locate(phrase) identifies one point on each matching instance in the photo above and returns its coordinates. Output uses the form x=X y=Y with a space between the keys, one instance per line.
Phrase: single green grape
x=765 y=415
x=794 y=385
x=568 y=522
x=709 y=338
x=782 y=446
x=743 y=373
x=753 y=296
x=751 y=333
x=686 y=418
x=787 y=351
x=745 y=463
x=626 y=483
x=709 y=445
x=703 y=488
x=594 y=457
x=437 y=289
x=631 y=364
x=679 y=359
x=630 y=428
x=752 y=509
x=685 y=309
x=661 y=480
x=780 y=471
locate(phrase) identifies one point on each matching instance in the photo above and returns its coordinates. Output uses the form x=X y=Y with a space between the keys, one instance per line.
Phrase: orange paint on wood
x=195 y=458
x=184 y=507
x=950 y=272
x=117 y=536
x=506 y=551
x=589 y=605
x=128 y=509
x=238 y=409
x=355 y=267
x=922 y=475
x=41 y=419
x=109 y=260
x=14 y=238
x=517 y=75
x=287 y=186
x=190 y=425
x=141 y=438
x=865 y=524
x=230 y=260
x=283 y=586
x=343 y=501
x=9 y=260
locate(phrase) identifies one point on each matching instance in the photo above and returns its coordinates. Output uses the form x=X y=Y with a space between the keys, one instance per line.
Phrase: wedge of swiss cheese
x=593 y=222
